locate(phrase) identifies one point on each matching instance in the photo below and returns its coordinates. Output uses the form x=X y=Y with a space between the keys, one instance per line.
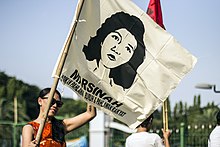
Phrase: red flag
x=155 y=12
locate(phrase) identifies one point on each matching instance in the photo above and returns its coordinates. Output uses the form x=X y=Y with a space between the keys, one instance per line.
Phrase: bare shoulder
x=27 y=129
x=27 y=135
x=27 y=126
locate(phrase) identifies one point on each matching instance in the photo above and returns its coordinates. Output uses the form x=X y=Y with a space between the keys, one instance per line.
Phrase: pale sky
x=32 y=34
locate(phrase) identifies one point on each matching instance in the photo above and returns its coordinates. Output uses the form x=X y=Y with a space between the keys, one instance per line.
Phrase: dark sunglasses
x=59 y=103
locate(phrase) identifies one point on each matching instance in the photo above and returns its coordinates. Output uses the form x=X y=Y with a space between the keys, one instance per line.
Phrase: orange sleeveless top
x=46 y=137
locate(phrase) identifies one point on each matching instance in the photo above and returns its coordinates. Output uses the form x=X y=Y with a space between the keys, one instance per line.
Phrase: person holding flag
x=54 y=130
x=142 y=138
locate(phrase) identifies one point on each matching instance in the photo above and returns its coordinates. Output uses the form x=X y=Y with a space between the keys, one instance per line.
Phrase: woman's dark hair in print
x=124 y=74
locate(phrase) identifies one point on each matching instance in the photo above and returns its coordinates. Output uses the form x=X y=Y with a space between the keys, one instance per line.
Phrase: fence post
x=182 y=136
x=14 y=135
x=97 y=132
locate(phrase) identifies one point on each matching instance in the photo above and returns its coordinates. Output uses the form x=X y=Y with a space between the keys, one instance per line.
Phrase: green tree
x=10 y=88
x=72 y=107
x=3 y=83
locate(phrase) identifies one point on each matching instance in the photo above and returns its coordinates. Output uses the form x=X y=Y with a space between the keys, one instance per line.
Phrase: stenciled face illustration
x=117 y=48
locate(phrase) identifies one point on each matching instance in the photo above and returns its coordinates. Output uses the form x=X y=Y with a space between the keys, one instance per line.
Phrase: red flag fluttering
x=155 y=12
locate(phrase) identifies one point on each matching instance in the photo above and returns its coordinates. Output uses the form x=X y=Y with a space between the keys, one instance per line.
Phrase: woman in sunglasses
x=54 y=129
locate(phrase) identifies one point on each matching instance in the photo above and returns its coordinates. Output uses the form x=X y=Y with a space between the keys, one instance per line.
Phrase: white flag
x=122 y=62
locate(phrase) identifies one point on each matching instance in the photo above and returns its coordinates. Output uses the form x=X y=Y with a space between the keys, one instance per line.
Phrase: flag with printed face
x=121 y=61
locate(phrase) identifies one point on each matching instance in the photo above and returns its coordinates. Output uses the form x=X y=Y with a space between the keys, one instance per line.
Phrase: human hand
x=166 y=133
x=33 y=144
x=91 y=110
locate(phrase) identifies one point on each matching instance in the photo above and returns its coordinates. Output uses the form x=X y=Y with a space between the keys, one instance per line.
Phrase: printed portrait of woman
x=118 y=47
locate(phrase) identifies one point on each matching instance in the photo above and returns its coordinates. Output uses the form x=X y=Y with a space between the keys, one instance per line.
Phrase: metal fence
x=10 y=134
x=181 y=136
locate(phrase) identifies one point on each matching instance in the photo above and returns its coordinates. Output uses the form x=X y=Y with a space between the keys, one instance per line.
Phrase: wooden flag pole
x=155 y=12
x=58 y=72
x=165 y=116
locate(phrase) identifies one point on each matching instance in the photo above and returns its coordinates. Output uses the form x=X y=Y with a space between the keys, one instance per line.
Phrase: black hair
x=45 y=91
x=124 y=74
x=58 y=131
x=218 y=118
x=147 y=122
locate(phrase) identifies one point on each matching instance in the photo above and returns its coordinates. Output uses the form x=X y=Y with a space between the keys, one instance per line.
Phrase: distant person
x=142 y=138
x=54 y=129
x=214 y=137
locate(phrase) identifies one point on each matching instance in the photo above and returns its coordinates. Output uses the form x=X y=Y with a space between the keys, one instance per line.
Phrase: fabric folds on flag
x=121 y=62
